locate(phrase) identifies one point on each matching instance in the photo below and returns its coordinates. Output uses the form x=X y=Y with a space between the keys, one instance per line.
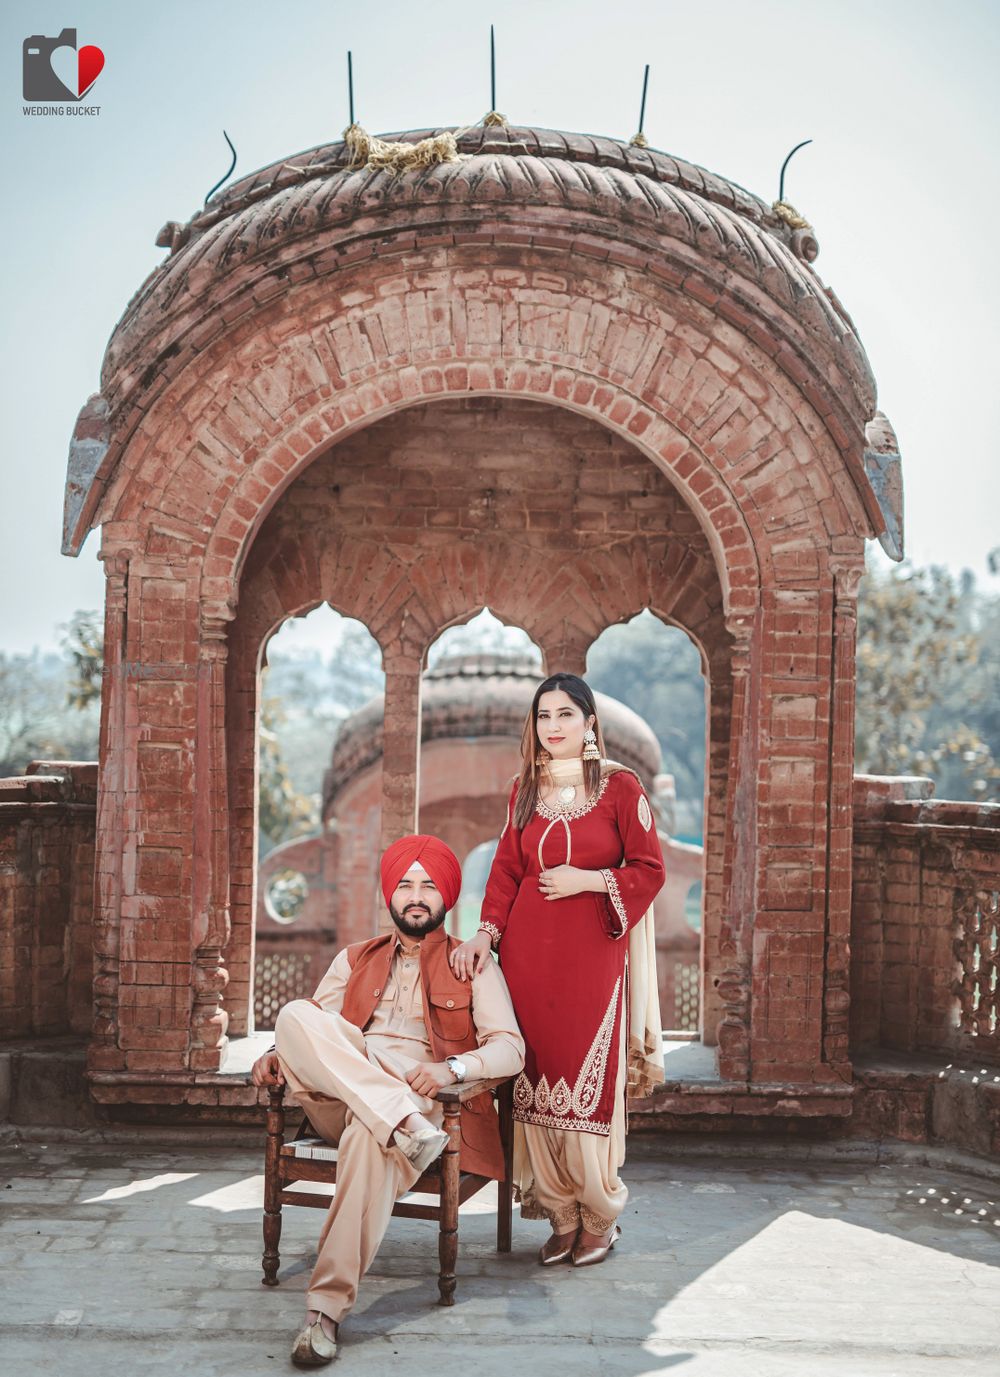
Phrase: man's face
x=416 y=904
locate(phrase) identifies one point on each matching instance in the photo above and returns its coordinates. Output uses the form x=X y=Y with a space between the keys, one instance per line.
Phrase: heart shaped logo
x=89 y=68
x=76 y=70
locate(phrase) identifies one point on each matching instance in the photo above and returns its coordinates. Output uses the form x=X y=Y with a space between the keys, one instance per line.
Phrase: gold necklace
x=567 y=776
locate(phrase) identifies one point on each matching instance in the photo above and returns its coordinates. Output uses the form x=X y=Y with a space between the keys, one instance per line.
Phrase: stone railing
x=925 y=925
x=47 y=819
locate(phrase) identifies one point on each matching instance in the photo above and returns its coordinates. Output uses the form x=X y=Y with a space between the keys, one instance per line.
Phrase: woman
x=576 y=870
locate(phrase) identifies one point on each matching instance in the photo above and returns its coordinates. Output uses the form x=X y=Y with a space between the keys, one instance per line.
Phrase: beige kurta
x=352 y=1085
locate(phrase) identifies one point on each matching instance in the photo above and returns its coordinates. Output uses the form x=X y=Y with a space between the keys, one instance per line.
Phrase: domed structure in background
x=472 y=713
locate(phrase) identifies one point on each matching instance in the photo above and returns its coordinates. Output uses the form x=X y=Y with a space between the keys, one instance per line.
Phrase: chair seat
x=319 y=1150
x=311 y=1150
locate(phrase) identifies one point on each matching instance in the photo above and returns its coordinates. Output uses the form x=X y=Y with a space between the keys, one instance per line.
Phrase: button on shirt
x=396 y=1035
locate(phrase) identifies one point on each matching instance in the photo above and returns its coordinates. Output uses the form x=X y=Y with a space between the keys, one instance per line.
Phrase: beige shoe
x=423 y=1148
x=314 y=1347
x=558 y=1248
x=589 y=1257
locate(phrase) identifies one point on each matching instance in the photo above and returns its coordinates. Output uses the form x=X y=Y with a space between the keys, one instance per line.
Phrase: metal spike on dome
x=638 y=139
x=228 y=174
x=781 y=179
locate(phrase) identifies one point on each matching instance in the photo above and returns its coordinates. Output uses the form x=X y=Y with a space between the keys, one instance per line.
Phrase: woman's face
x=560 y=725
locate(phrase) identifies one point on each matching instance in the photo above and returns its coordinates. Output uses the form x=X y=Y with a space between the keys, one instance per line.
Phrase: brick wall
x=925 y=928
x=46 y=900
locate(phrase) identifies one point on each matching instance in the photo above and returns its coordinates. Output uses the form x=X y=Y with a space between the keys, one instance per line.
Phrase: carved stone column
x=836 y=995
x=739 y=865
x=104 y=1053
x=210 y=872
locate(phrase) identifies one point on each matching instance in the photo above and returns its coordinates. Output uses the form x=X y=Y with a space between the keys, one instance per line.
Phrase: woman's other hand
x=563 y=881
x=468 y=959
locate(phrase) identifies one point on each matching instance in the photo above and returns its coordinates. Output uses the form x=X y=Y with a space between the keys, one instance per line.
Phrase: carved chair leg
x=272 y=1184
x=448 y=1237
x=505 y=1188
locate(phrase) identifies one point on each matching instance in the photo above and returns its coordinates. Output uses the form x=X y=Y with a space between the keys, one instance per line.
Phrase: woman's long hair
x=527 y=789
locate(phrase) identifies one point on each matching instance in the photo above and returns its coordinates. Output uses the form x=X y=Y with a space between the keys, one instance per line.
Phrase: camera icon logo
x=42 y=82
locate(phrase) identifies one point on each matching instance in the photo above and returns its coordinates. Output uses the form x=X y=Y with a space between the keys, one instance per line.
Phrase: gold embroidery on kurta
x=558 y=1106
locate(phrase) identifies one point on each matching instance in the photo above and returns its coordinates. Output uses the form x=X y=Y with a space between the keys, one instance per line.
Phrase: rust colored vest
x=450 y=1028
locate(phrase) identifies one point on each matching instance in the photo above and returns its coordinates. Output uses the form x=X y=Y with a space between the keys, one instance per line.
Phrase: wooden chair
x=308 y=1157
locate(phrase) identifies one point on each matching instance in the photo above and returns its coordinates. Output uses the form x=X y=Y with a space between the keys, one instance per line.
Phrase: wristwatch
x=457 y=1068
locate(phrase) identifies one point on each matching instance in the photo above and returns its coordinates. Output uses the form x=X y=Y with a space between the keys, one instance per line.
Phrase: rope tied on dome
x=387 y=156
x=787 y=212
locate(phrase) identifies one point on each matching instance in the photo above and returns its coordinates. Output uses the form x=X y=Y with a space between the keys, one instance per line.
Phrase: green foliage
x=928 y=697
x=656 y=671
x=35 y=722
x=282 y=811
x=83 y=642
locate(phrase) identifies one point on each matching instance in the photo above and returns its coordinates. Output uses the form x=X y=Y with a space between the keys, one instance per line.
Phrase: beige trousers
x=571 y=1178
x=356 y=1102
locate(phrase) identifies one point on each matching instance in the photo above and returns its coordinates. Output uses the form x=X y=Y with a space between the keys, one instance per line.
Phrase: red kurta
x=563 y=959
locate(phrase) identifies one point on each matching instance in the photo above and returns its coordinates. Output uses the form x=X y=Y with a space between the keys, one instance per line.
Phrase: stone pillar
x=400 y=751
x=104 y=1053
x=210 y=868
x=717 y=834
x=836 y=997
x=735 y=943
x=566 y=651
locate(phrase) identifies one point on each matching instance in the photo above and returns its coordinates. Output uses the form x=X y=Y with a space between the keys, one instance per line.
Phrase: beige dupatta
x=645 y=1028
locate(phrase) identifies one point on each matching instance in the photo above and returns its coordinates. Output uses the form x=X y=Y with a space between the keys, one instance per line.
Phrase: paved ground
x=122 y=1260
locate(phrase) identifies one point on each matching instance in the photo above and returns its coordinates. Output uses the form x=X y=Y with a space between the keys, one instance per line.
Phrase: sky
x=900 y=98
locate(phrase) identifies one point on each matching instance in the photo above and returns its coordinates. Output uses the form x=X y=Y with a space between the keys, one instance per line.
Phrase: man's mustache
x=416 y=908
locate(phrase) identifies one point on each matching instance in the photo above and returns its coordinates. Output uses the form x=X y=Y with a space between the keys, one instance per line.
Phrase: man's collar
x=439 y=934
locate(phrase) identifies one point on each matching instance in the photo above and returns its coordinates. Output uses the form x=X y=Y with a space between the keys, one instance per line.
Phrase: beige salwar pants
x=354 y=1101
x=571 y=1178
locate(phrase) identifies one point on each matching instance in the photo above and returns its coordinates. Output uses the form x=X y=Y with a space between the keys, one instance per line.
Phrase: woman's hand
x=468 y=959
x=563 y=881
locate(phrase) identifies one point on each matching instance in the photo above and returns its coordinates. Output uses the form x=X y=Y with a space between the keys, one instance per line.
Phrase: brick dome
x=313 y=214
x=483 y=696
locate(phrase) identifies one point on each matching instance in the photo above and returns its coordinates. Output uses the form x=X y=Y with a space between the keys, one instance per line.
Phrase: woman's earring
x=590 y=751
x=543 y=757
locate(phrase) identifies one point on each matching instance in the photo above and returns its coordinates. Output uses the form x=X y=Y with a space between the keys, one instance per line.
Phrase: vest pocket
x=451 y=1012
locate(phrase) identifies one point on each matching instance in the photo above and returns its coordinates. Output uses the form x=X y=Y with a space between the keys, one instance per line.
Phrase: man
x=389 y=1026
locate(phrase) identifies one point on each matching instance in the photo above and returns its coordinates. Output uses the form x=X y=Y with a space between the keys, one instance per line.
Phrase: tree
x=928 y=681
x=35 y=723
x=282 y=811
x=83 y=642
x=656 y=671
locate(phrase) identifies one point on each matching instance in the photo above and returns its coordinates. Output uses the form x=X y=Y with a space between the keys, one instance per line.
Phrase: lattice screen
x=686 y=982
x=977 y=949
x=278 y=977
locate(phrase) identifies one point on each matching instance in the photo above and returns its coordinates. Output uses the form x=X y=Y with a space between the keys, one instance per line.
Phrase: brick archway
x=310 y=307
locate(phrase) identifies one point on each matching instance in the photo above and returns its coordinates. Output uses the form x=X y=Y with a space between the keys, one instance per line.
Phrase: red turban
x=438 y=860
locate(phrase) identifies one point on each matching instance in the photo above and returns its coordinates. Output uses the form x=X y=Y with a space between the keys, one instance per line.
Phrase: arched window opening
x=319 y=669
x=656 y=670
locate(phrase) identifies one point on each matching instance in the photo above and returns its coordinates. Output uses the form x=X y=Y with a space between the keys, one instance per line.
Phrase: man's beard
x=416 y=920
